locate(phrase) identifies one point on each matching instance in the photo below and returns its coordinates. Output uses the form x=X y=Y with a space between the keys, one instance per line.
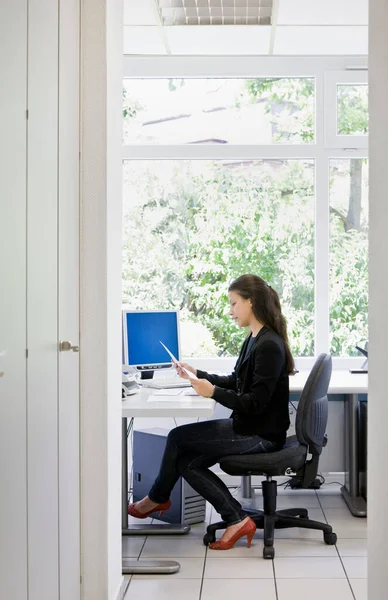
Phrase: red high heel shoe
x=248 y=529
x=132 y=510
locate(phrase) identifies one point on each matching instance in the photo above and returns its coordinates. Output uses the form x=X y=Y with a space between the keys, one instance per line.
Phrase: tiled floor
x=304 y=566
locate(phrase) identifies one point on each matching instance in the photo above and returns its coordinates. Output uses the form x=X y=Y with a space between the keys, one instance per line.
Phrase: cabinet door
x=42 y=301
x=13 y=508
x=68 y=301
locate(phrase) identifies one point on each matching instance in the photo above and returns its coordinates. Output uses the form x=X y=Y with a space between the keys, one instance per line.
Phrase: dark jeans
x=192 y=449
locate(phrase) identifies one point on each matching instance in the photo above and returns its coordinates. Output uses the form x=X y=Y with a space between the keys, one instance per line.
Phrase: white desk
x=341 y=382
x=351 y=385
x=139 y=406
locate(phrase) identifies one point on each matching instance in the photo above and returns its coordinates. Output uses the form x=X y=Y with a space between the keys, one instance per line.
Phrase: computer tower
x=186 y=505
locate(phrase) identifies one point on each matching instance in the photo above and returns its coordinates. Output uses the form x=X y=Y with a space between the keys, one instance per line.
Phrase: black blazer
x=258 y=389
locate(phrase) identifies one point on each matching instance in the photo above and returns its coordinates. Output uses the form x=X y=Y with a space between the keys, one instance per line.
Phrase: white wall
x=101 y=206
x=378 y=293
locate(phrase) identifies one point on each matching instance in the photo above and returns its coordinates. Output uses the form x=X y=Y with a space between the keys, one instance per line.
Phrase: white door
x=39 y=298
x=13 y=484
x=53 y=301
x=68 y=302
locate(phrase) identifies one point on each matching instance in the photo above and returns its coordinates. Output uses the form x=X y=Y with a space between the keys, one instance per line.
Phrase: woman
x=257 y=392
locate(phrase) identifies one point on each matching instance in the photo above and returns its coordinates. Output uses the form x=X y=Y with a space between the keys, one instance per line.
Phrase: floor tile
x=290 y=492
x=352 y=547
x=298 y=500
x=360 y=588
x=230 y=589
x=331 y=488
x=332 y=501
x=191 y=568
x=197 y=531
x=309 y=568
x=165 y=588
x=307 y=547
x=240 y=550
x=355 y=567
x=315 y=514
x=344 y=515
x=132 y=546
x=177 y=545
x=238 y=568
x=345 y=524
x=321 y=589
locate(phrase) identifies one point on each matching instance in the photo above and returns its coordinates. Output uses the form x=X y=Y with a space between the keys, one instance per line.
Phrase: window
x=348 y=255
x=352 y=110
x=191 y=227
x=346 y=122
x=219 y=111
x=226 y=173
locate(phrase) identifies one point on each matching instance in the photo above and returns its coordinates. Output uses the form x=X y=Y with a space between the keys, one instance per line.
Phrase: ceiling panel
x=322 y=12
x=140 y=12
x=215 y=40
x=143 y=40
x=321 y=40
x=215 y=12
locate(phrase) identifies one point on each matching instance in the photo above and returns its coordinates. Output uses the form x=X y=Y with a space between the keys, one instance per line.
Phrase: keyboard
x=165 y=383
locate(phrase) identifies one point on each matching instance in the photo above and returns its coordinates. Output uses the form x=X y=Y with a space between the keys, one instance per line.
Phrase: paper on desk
x=165 y=398
x=191 y=375
x=190 y=392
x=169 y=392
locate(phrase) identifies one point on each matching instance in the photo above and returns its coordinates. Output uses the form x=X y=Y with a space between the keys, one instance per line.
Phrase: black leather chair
x=299 y=455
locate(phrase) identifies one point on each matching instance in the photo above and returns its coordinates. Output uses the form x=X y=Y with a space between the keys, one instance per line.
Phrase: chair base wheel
x=268 y=552
x=330 y=538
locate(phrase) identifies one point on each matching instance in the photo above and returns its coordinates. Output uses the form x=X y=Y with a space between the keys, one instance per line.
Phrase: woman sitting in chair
x=257 y=392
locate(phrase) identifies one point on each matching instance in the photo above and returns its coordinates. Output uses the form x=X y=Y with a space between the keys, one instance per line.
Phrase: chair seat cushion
x=291 y=456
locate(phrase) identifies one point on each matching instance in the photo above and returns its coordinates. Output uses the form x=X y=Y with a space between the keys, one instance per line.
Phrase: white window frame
x=320 y=68
x=332 y=80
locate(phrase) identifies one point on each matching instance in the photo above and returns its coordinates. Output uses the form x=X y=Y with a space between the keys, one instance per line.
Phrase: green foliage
x=352 y=109
x=199 y=230
x=291 y=105
x=349 y=290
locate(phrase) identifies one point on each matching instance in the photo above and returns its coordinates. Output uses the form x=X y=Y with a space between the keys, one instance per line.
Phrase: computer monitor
x=142 y=333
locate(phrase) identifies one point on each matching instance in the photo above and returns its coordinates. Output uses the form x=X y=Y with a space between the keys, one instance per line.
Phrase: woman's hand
x=203 y=387
x=181 y=372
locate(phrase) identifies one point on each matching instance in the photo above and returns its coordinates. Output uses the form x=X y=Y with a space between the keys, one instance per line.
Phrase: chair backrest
x=311 y=416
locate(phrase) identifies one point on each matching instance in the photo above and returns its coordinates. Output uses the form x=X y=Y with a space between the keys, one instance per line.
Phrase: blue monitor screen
x=141 y=335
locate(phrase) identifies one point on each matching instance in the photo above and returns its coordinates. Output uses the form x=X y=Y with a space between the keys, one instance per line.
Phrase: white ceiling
x=303 y=27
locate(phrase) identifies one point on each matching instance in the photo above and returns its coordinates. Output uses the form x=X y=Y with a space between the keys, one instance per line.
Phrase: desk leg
x=130 y=566
x=350 y=491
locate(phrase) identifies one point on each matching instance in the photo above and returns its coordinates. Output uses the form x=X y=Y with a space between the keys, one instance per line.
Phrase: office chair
x=310 y=427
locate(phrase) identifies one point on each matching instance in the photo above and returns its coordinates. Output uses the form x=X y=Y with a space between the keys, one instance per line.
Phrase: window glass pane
x=352 y=109
x=218 y=111
x=348 y=255
x=191 y=227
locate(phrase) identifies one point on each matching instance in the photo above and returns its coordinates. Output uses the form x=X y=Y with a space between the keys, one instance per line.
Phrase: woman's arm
x=268 y=365
x=228 y=382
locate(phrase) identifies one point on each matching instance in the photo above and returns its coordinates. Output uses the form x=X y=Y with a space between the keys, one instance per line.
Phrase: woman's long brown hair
x=266 y=308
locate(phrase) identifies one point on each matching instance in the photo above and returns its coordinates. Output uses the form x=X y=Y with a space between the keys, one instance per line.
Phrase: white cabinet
x=39 y=300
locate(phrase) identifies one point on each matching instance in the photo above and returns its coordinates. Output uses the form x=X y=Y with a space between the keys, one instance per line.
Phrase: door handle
x=66 y=346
